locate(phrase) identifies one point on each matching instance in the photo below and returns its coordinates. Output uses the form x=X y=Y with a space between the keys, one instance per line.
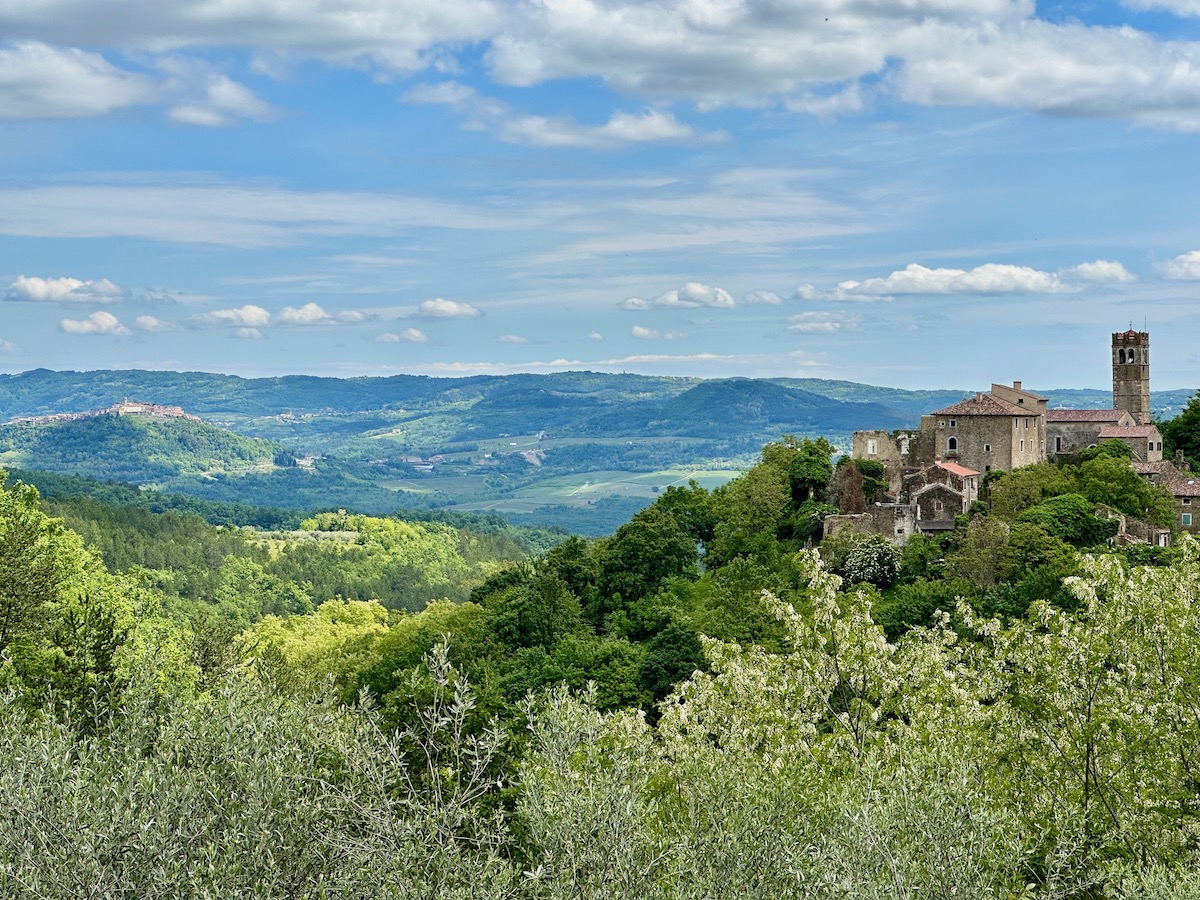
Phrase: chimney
x=1016 y=385
x=979 y=395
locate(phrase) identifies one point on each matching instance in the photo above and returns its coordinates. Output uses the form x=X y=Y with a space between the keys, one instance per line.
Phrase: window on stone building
x=952 y=444
x=1160 y=445
x=1186 y=519
x=954 y=423
x=987 y=448
x=1022 y=446
x=871 y=447
x=1187 y=501
x=1150 y=446
x=1016 y=423
x=938 y=506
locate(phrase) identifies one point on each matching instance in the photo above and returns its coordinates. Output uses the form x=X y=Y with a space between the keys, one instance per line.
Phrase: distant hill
x=132 y=448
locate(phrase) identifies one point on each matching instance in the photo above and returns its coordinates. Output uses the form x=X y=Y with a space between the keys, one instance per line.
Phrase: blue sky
x=921 y=193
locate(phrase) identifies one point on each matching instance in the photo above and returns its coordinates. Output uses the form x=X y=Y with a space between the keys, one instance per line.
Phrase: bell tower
x=1131 y=373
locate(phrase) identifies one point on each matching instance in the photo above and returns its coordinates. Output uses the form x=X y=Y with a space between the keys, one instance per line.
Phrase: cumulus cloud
x=63 y=290
x=512 y=339
x=649 y=334
x=308 y=314
x=102 y=322
x=770 y=298
x=828 y=58
x=990 y=278
x=152 y=324
x=691 y=296
x=38 y=81
x=200 y=96
x=248 y=316
x=488 y=114
x=407 y=336
x=595 y=336
x=252 y=334
x=1185 y=267
x=439 y=308
x=821 y=323
x=1102 y=271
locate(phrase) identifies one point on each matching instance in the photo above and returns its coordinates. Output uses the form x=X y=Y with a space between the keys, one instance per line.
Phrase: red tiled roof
x=984 y=405
x=956 y=469
x=1184 y=487
x=1127 y=431
x=1084 y=415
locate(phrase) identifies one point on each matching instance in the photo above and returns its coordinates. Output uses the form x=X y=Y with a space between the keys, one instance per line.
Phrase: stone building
x=985 y=433
x=895 y=521
x=1072 y=430
x=1185 y=488
x=891 y=450
x=940 y=492
x=1144 y=440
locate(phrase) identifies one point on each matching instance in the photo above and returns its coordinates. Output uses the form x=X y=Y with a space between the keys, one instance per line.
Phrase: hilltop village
x=126 y=407
x=934 y=474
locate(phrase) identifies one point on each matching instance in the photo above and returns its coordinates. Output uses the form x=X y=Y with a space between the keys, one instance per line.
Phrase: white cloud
x=63 y=290
x=8 y=346
x=1185 y=267
x=512 y=339
x=647 y=334
x=770 y=298
x=439 y=308
x=102 y=322
x=248 y=316
x=392 y=36
x=821 y=323
x=153 y=324
x=308 y=314
x=407 y=336
x=690 y=296
x=990 y=278
x=1102 y=271
x=222 y=102
x=248 y=215
x=1178 y=7
x=821 y=58
x=595 y=336
x=488 y=114
x=252 y=334
x=38 y=81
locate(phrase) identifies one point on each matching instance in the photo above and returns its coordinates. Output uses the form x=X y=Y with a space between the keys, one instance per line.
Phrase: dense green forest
x=709 y=702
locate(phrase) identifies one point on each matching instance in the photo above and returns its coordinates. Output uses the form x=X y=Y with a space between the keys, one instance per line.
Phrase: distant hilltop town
x=934 y=473
x=126 y=407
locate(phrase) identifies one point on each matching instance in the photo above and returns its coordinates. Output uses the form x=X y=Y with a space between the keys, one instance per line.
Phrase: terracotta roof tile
x=1127 y=431
x=1184 y=487
x=956 y=469
x=1084 y=415
x=984 y=405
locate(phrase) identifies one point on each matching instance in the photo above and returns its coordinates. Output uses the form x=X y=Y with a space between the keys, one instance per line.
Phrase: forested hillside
x=695 y=706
